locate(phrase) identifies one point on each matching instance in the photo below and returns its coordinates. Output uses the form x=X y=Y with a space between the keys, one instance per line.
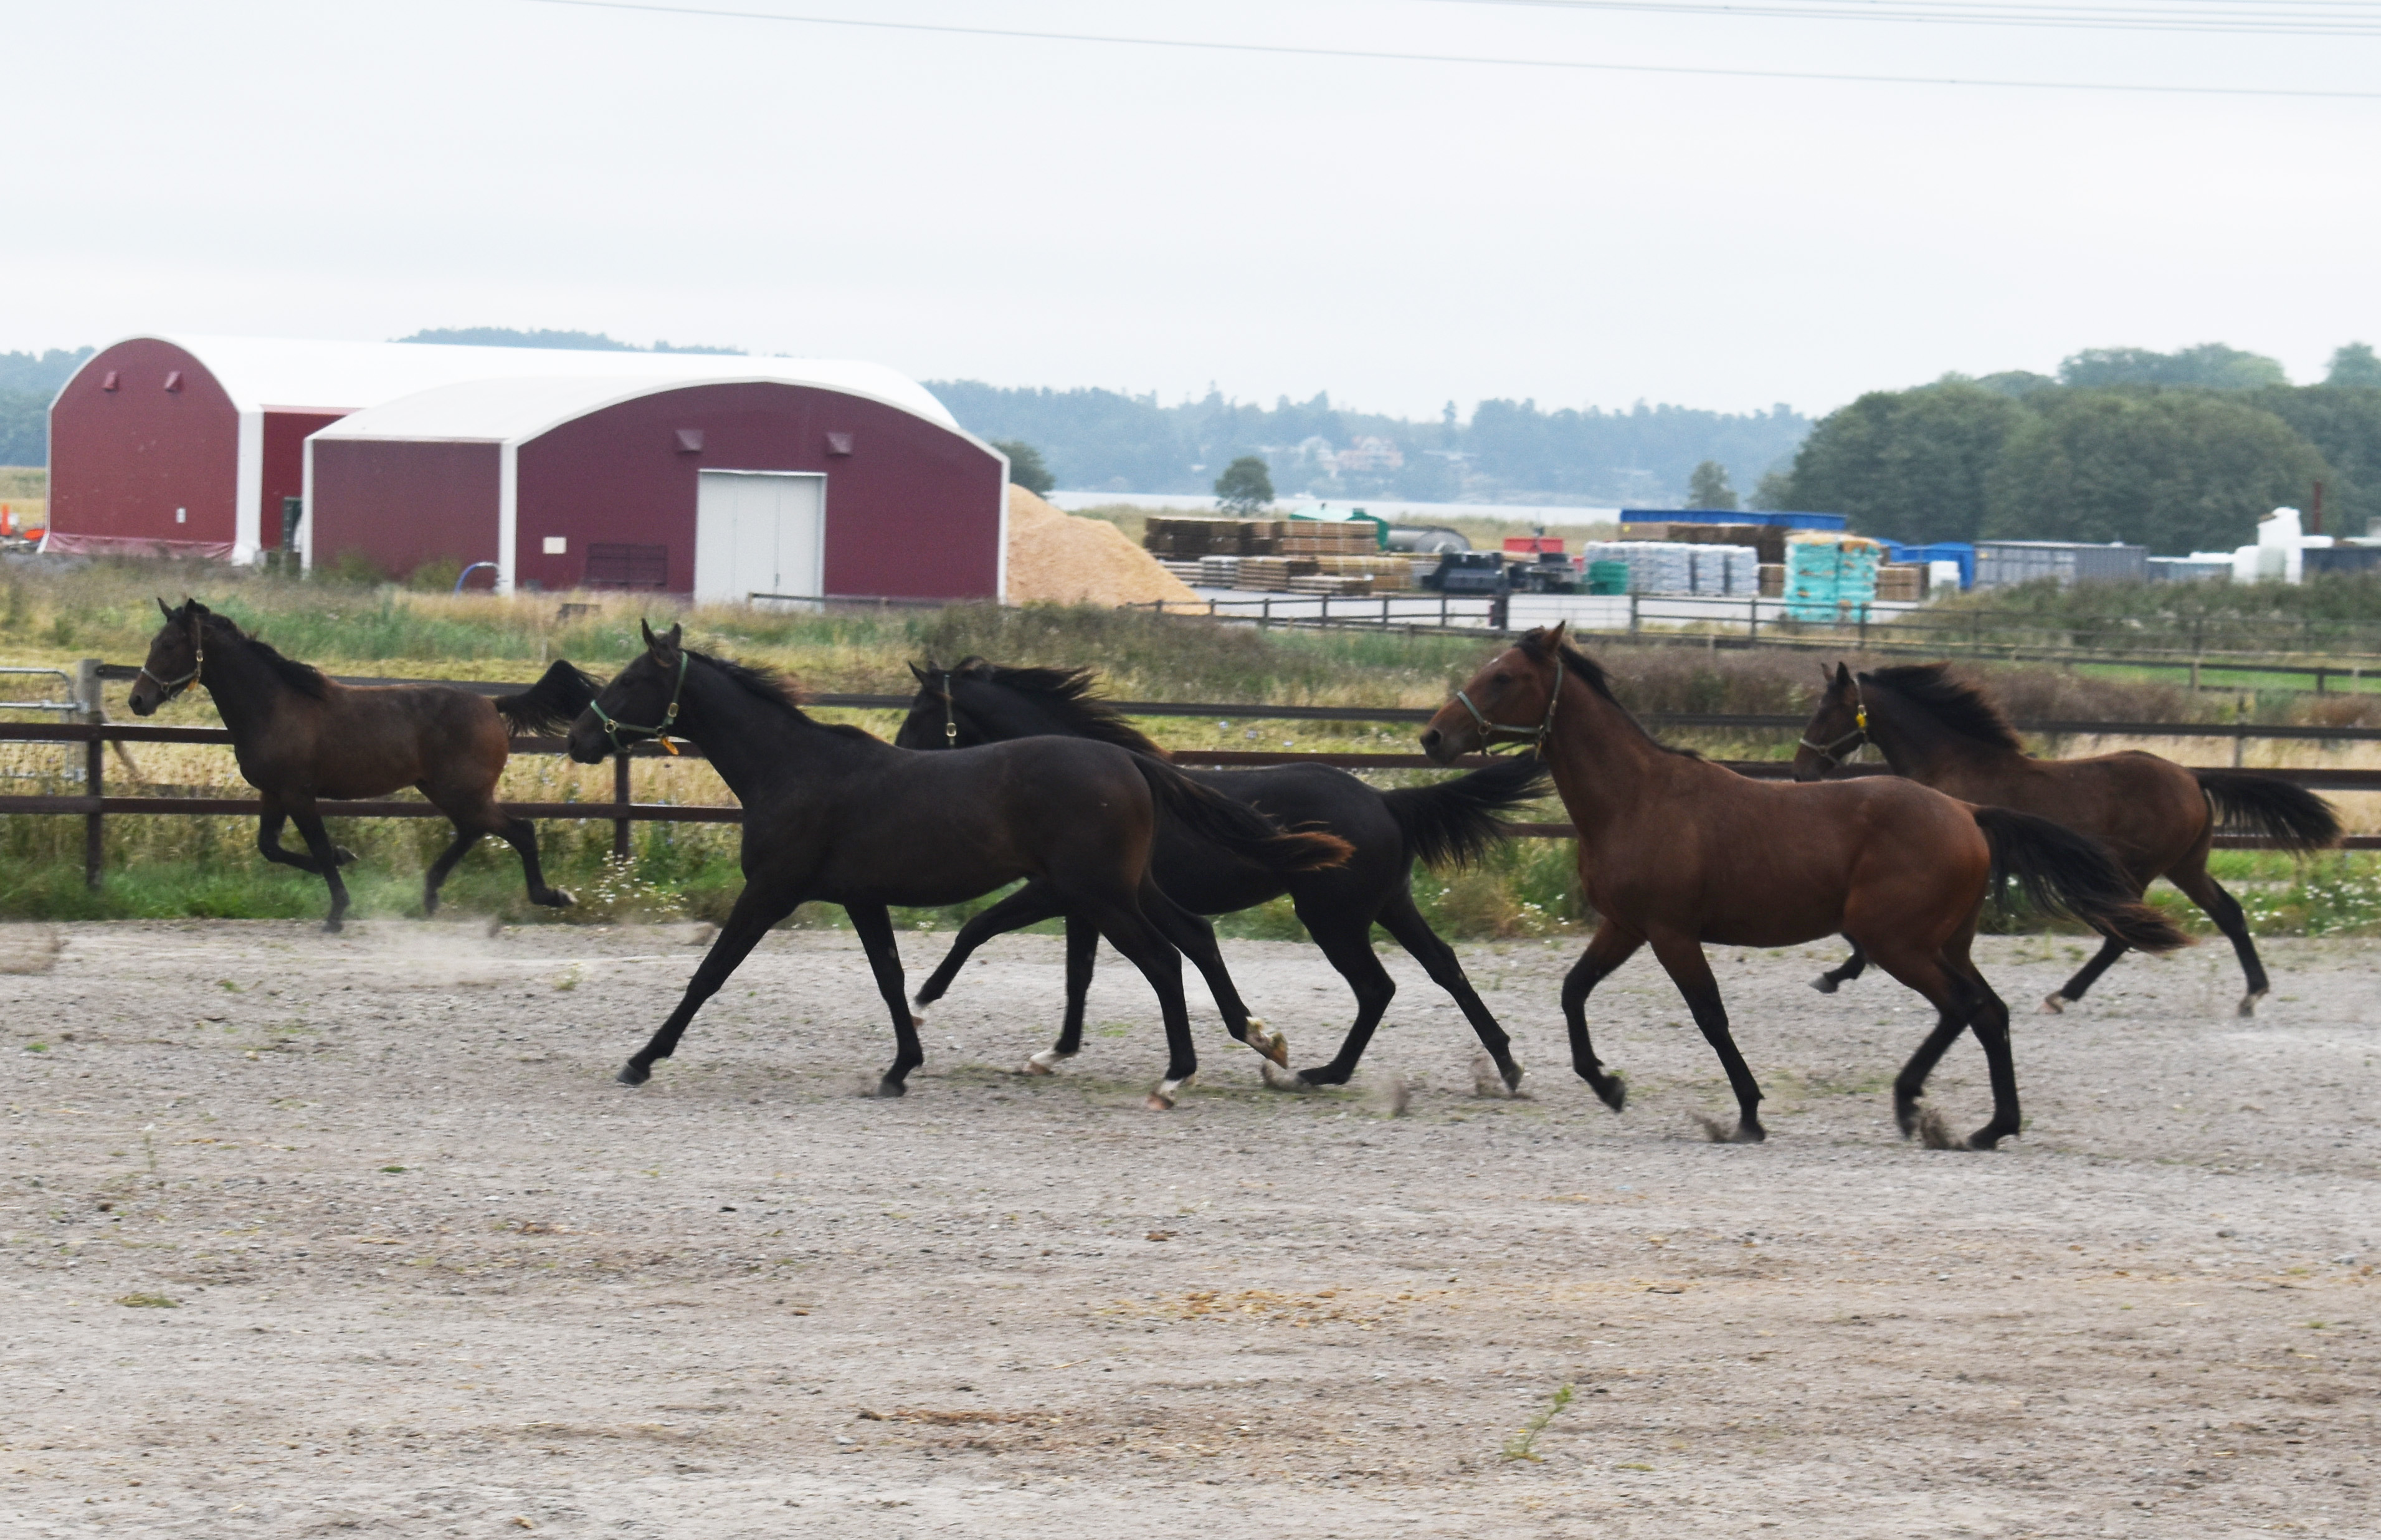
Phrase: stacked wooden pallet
x=1901 y=582
x=1331 y=584
x=1307 y=538
x=1189 y=538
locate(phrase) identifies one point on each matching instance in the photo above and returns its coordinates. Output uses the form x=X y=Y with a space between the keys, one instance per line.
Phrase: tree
x=1708 y=486
x=2354 y=365
x=1912 y=464
x=1025 y=467
x=2210 y=365
x=1245 y=487
x=1773 y=492
x=2343 y=422
x=2176 y=470
x=24 y=428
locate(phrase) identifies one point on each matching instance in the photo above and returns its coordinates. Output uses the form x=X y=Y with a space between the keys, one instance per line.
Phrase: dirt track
x=436 y=1274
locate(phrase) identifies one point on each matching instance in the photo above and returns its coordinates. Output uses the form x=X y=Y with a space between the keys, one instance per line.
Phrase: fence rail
x=95 y=806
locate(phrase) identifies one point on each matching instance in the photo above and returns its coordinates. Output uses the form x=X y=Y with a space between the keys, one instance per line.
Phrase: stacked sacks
x=1654 y=565
x=1830 y=577
x=1725 y=572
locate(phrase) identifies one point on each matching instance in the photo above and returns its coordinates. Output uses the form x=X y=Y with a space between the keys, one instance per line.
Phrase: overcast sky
x=1065 y=213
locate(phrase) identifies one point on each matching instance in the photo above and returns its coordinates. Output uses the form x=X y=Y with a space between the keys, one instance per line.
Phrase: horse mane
x=774 y=689
x=1960 y=706
x=1591 y=674
x=1066 y=693
x=304 y=677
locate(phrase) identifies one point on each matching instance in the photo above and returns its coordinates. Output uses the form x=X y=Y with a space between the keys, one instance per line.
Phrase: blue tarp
x=1831 y=521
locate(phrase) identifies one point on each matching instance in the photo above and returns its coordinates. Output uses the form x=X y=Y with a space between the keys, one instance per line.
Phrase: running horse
x=834 y=815
x=302 y=737
x=2159 y=819
x=1675 y=852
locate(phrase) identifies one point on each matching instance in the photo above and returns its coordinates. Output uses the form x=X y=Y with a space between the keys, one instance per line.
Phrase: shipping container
x=2005 y=563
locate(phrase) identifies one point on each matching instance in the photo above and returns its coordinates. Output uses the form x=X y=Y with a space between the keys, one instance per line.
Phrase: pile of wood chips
x=1056 y=557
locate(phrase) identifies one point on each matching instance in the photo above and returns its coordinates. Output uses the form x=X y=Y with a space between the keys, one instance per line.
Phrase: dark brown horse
x=2156 y=817
x=1675 y=851
x=1448 y=822
x=833 y=816
x=301 y=739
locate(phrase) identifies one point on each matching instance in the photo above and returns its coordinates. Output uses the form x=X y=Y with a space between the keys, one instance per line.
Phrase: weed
x=148 y=1301
x=1524 y=1445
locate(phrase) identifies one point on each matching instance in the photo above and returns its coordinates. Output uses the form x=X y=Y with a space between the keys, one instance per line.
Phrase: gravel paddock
x=323 y=1236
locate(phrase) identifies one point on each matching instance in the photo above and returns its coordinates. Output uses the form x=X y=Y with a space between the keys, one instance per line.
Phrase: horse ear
x=671 y=642
x=919 y=673
x=1555 y=632
x=1844 y=675
x=192 y=606
x=164 y=609
x=647 y=627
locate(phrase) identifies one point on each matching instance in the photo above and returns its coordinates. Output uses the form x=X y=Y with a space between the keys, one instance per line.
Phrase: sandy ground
x=432 y=1273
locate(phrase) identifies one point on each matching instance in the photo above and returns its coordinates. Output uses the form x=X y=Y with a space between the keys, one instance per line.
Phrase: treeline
x=2178 y=451
x=27 y=382
x=1105 y=440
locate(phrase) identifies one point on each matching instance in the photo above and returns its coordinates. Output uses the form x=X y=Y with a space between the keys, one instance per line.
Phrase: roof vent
x=689 y=441
x=174 y=379
x=838 y=444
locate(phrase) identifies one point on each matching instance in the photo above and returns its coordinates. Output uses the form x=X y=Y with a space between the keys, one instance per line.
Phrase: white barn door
x=758 y=531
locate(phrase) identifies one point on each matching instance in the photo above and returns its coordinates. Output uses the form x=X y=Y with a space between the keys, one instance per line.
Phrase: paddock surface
x=432 y=1273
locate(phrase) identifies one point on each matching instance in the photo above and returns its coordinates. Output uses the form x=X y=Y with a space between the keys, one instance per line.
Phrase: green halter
x=612 y=730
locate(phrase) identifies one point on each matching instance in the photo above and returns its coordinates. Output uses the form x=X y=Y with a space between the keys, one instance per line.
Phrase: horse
x=1451 y=823
x=301 y=738
x=834 y=815
x=2158 y=818
x=1675 y=851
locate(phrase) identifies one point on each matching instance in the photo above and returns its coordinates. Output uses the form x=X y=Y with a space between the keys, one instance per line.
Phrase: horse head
x=641 y=702
x=177 y=656
x=1512 y=698
x=1837 y=728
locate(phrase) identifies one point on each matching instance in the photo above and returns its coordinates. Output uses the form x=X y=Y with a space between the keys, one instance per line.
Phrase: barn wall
x=403 y=504
x=284 y=466
x=913 y=512
x=121 y=461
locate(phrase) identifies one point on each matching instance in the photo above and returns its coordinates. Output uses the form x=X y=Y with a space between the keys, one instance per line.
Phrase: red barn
x=816 y=479
x=563 y=468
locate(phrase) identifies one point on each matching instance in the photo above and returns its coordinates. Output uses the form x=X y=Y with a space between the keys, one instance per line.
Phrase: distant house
x=1371 y=456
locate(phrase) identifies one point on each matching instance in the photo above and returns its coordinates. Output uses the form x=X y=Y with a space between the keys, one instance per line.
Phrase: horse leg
x=1843 y=972
x=522 y=835
x=2224 y=910
x=1949 y=979
x=268 y=840
x=1082 y=956
x=1683 y=957
x=1134 y=936
x=755 y=911
x=326 y=859
x=435 y=878
x=2072 y=990
x=876 y=928
x=1194 y=937
x=1347 y=943
x=1402 y=919
x=1607 y=949
x=1030 y=905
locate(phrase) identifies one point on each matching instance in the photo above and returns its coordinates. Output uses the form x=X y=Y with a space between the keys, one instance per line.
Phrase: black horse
x=1448 y=822
x=833 y=815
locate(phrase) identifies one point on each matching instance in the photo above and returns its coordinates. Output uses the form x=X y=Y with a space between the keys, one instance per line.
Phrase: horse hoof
x=334 y=926
x=1982 y=1139
x=2052 y=1005
x=429 y=906
x=888 y=1089
x=1905 y=1116
x=2249 y=1004
x=1826 y=984
x=633 y=1073
x=1613 y=1093
x=1047 y=1062
x=1264 y=1040
x=1742 y=1133
x=1283 y=1079
x=556 y=898
x=1169 y=1093
x=1936 y=1134
x=342 y=856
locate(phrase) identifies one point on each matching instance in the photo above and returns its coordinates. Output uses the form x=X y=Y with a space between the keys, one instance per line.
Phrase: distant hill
x=1106 y=440
x=505 y=336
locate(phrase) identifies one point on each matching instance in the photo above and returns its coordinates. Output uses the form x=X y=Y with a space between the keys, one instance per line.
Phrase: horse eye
x=1502 y=678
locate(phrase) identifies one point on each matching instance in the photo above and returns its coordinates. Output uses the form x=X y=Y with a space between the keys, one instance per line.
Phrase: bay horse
x=1450 y=822
x=301 y=738
x=834 y=815
x=1675 y=851
x=2159 y=819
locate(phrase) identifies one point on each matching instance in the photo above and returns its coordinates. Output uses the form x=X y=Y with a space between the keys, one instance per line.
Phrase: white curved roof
x=292 y=374
x=512 y=410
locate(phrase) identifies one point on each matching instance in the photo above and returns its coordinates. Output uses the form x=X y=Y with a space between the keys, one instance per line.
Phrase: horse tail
x=1453 y=823
x=2072 y=876
x=1237 y=827
x=560 y=695
x=2292 y=816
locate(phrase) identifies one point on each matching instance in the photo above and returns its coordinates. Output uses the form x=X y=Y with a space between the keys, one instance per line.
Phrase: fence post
x=620 y=796
x=94 y=772
x=2240 y=728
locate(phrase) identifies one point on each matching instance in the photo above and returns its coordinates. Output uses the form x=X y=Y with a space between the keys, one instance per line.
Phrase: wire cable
x=1385 y=56
x=2307 y=18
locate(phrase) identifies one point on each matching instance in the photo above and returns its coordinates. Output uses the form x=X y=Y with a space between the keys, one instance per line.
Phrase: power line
x=1384 y=56
x=2308 y=19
